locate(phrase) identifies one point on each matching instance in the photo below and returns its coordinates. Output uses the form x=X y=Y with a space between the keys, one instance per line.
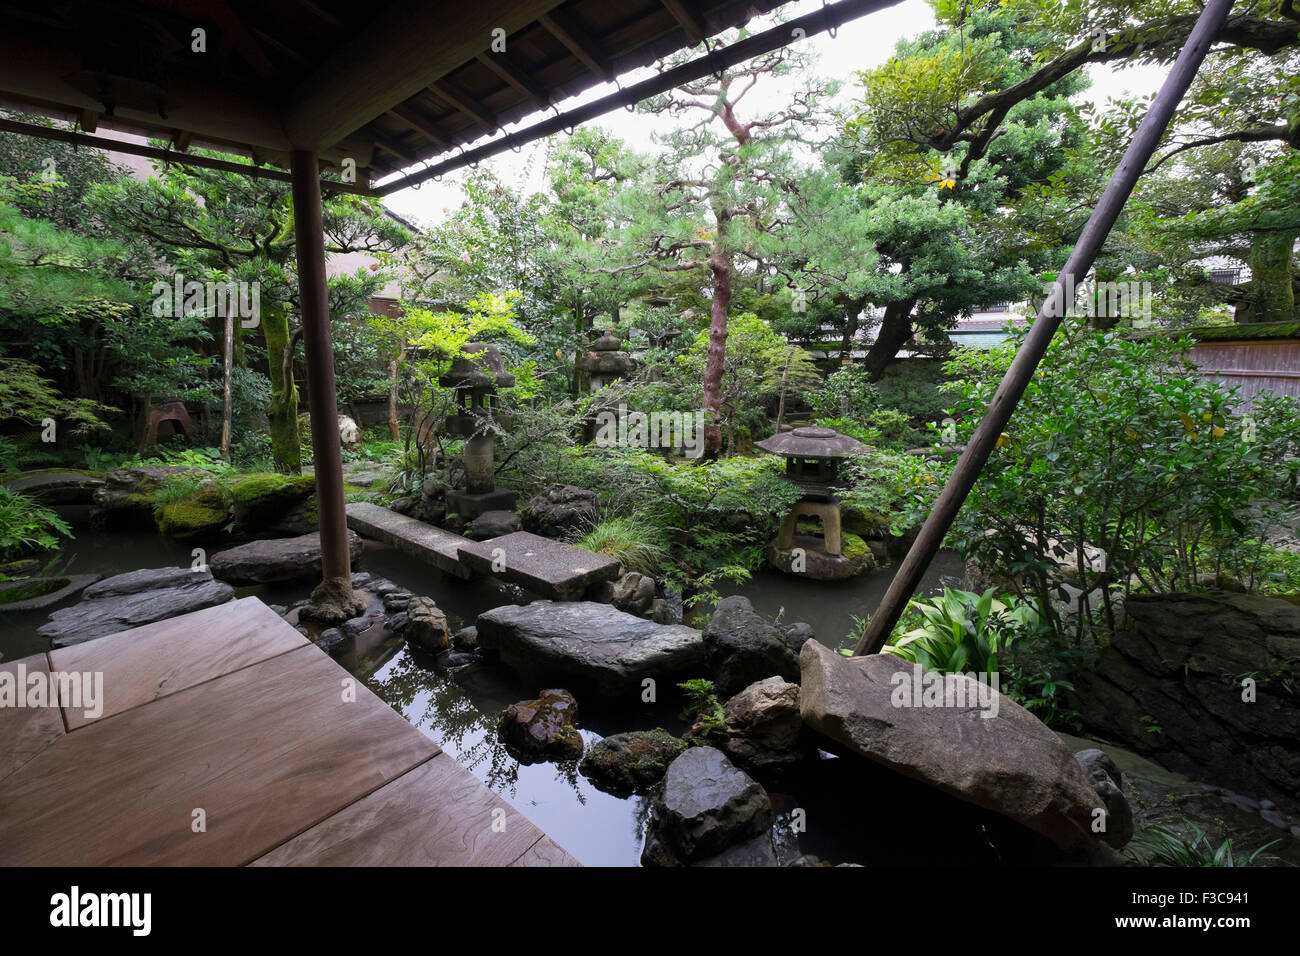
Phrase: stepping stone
x=549 y=569
x=274 y=559
x=421 y=541
x=134 y=599
x=585 y=640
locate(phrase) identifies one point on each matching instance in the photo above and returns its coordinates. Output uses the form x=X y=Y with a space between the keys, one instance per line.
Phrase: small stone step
x=547 y=568
x=421 y=541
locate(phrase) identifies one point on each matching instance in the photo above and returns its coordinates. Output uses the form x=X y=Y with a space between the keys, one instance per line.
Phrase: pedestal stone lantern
x=475 y=376
x=605 y=361
x=812 y=458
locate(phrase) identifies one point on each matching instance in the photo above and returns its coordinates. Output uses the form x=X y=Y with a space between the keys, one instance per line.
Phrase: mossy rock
x=864 y=523
x=623 y=764
x=263 y=499
x=851 y=546
x=201 y=515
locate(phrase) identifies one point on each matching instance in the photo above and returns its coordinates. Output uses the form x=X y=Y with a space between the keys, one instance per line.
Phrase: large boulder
x=262 y=500
x=130 y=600
x=127 y=497
x=706 y=807
x=542 y=729
x=741 y=646
x=1202 y=683
x=1009 y=762
x=200 y=515
x=763 y=726
x=275 y=559
x=624 y=764
x=594 y=642
x=560 y=511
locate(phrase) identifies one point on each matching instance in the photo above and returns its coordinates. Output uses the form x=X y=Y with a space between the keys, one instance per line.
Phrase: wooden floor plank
x=266 y=752
x=146 y=663
x=26 y=731
x=438 y=814
x=545 y=852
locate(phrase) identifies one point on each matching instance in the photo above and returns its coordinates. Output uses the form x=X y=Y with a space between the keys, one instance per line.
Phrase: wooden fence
x=1253 y=366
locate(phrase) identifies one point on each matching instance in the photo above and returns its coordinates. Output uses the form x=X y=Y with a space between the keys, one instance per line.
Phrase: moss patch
x=865 y=524
x=261 y=499
x=31 y=589
x=202 y=514
x=852 y=546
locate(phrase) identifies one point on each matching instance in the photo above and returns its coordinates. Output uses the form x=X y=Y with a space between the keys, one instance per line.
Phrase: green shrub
x=1123 y=445
x=703 y=712
x=26 y=526
x=961 y=631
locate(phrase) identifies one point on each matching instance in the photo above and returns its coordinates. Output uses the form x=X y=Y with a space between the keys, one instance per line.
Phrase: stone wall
x=1171 y=686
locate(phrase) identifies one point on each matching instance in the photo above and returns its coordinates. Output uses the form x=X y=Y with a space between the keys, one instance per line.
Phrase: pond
x=459 y=709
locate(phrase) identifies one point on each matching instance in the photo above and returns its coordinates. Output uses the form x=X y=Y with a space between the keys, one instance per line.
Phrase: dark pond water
x=846 y=807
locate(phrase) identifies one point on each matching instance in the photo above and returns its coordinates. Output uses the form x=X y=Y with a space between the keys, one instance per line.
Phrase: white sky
x=860 y=44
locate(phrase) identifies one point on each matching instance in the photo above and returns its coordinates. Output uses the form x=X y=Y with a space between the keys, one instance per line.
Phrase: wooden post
x=310 y=238
x=1005 y=399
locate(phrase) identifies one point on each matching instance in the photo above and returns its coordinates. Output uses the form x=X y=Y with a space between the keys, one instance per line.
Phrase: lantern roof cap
x=478 y=366
x=812 y=442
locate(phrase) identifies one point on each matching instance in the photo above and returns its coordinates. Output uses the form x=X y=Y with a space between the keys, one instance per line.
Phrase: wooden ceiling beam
x=457 y=97
x=691 y=25
x=579 y=43
x=417 y=120
x=405 y=49
x=521 y=81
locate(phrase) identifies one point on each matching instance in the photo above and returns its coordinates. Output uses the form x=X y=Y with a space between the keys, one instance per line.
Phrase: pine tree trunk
x=895 y=330
x=720 y=267
x=282 y=415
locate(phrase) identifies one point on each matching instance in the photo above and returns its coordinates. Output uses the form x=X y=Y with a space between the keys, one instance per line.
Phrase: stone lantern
x=475 y=375
x=605 y=362
x=812 y=459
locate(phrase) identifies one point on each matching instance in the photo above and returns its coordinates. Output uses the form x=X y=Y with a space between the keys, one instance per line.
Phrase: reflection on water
x=459 y=710
x=830 y=606
x=597 y=828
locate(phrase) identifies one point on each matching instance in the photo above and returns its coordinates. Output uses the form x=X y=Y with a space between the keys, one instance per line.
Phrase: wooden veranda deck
x=230 y=716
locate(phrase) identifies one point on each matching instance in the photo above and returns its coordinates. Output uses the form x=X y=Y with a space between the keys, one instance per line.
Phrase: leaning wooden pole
x=1049 y=318
x=310 y=238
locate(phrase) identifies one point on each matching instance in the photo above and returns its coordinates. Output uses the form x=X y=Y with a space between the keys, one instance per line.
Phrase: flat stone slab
x=550 y=569
x=421 y=541
x=275 y=559
x=128 y=601
x=586 y=640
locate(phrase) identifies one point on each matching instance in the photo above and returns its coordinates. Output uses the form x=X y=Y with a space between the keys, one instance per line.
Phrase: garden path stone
x=610 y=648
x=547 y=568
x=130 y=600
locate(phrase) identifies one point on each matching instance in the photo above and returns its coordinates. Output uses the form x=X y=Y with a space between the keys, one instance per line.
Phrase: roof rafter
x=569 y=32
